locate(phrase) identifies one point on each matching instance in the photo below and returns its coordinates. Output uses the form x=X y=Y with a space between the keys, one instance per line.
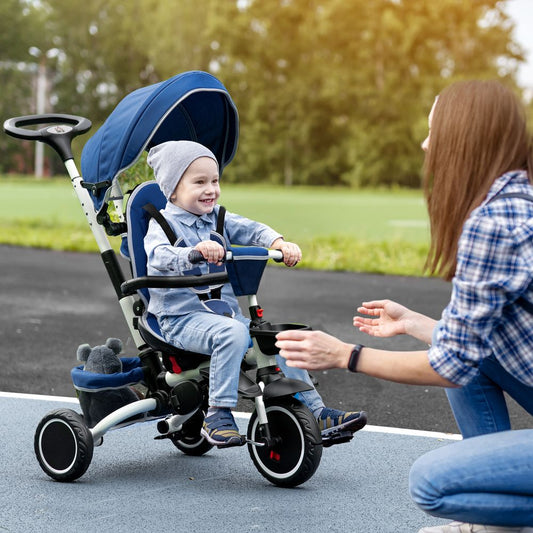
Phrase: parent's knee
x=423 y=488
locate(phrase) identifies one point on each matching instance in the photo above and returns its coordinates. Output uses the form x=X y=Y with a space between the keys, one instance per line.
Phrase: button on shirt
x=494 y=270
x=164 y=259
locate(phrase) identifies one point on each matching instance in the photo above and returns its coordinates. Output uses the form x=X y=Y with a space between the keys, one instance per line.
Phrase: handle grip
x=195 y=256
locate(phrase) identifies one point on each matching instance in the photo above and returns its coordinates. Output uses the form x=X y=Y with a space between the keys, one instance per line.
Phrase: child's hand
x=212 y=251
x=291 y=252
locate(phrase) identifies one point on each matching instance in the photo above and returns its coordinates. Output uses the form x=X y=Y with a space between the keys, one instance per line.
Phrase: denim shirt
x=494 y=269
x=164 y=259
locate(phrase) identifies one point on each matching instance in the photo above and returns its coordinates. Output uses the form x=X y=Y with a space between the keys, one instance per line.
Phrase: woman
x=478 y=149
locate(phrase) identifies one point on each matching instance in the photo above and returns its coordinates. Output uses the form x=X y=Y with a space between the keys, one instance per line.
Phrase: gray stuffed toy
x=103 y=360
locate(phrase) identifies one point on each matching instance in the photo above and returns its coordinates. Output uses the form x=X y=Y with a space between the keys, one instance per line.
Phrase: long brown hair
x=478 y=132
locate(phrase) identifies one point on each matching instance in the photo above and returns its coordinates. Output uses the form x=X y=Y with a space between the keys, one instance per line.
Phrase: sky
x=521 y=11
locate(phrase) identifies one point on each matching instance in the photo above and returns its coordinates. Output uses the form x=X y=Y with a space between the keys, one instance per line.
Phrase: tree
x=20 y=23
x=338 y=92
x=329 y=92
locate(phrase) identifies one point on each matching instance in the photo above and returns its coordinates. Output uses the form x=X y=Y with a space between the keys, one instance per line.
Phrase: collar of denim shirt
x=190 y=219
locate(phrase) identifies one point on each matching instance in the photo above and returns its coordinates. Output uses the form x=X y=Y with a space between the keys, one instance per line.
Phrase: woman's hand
x=212 y=251
x=314 y=350
x=291 y=251
x=391 y=318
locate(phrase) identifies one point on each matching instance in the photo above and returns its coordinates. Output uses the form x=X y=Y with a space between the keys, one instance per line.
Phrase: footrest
x=337 y=438
x=232 y=445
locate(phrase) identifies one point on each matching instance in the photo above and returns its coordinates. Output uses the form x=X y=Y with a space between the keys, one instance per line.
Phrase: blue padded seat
x=138 y=219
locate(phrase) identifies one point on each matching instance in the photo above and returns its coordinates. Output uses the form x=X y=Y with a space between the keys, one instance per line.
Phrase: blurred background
x=329 y=92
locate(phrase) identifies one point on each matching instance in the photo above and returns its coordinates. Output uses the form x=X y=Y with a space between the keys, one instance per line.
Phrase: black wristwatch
x=354 y=357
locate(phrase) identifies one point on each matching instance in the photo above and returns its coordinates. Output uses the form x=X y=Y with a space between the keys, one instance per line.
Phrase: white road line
x=374 y=429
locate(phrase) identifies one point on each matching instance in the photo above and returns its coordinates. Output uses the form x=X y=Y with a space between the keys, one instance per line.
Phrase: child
x=188 y=176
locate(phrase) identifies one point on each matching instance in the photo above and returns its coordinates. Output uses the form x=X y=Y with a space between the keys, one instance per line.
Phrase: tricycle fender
x=284 y=387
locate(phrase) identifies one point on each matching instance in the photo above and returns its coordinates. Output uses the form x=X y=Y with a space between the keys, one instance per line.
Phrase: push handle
x=58 y=133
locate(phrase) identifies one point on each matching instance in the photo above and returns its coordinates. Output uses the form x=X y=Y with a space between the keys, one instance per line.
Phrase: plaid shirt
x=494 y=269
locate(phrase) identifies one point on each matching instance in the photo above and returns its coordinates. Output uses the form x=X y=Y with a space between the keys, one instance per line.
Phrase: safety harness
x=209 y=296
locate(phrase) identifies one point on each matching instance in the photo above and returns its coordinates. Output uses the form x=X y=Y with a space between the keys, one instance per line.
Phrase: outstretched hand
x=391 y=318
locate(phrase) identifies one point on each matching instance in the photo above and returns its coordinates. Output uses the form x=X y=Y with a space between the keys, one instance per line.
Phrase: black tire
x=296 y=457
x=188 y=439
x=63 y=445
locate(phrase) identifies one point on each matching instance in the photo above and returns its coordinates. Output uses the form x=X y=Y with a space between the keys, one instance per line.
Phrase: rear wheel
x=63 y=445
x=296 y=454
x=188 y=439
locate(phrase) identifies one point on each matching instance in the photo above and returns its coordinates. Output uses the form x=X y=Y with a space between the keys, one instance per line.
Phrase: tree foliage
x=329 y=92
x=19 y=25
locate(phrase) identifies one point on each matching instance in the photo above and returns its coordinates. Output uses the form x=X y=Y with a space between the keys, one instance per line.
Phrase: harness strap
x=220 y=220
x=163 y=222
x=522 y=302
x=217 y=292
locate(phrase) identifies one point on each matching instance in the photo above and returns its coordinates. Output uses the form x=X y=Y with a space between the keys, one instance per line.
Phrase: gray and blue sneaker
x=219 y=429
x=339 y=426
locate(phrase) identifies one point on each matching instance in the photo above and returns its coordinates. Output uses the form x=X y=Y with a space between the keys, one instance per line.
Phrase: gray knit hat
x=171 y=159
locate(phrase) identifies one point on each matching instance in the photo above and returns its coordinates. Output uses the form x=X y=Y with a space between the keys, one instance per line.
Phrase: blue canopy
x=191 y=106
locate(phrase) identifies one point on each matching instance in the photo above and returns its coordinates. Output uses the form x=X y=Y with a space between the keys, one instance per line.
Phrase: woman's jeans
x=480 y=406
x=226 y=340
x=482 y=480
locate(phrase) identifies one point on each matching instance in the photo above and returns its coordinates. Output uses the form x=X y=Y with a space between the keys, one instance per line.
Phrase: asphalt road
x=135 y=483
x=53 y=301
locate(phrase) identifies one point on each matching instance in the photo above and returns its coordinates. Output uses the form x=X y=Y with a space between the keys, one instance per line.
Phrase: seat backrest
x=138 y=220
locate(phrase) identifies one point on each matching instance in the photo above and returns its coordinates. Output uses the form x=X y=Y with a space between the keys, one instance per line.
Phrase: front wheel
x=297 y=451
x=63 y=445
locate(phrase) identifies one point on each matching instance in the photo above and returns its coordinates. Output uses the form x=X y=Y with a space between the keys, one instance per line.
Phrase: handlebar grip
x=195 y=256
x=276 y=256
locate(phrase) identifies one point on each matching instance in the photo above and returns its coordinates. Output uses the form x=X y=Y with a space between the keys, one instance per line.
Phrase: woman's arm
x=316 y=350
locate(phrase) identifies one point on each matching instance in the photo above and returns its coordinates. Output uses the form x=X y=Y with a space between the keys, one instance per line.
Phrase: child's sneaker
x=333 y=421
x=220 y=429
x=462 y=527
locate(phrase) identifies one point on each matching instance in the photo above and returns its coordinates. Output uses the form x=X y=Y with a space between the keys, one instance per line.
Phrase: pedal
x=339 y=437
x=232 y=445
x=161 y=437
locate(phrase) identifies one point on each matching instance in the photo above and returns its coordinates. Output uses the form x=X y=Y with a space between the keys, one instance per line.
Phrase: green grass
x=337 y=229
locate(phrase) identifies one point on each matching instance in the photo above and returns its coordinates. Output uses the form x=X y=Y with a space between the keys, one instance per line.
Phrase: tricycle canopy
x=191 y=106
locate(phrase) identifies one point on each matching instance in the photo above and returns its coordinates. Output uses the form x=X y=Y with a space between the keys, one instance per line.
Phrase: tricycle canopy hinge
x=95 y=187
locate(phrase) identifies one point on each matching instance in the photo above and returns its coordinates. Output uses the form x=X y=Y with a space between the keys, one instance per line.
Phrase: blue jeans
x=226 y=340
x=480 y=406
x=482 y=480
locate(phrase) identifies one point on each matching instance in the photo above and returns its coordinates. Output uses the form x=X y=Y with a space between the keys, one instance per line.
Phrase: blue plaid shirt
x=494 y=270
